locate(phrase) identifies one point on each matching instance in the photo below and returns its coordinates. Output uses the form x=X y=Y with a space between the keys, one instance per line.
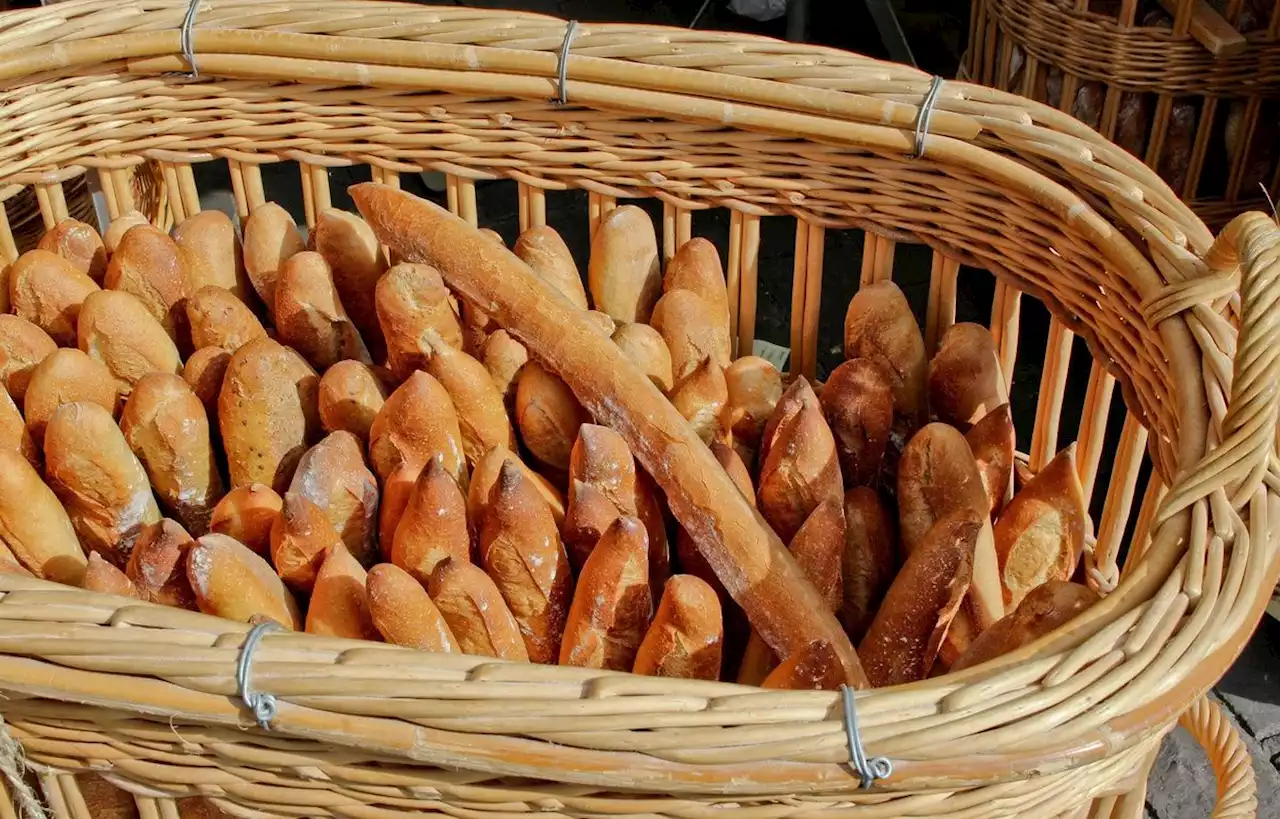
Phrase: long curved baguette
x=754 y=565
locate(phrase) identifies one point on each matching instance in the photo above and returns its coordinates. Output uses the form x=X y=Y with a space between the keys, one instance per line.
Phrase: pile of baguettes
x=243 y=427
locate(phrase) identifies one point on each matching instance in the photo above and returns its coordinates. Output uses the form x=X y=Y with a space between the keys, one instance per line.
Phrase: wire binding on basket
x=562 y=66
x=187 y=37
x=262 y=704
x=926 y=115
x=869 y=770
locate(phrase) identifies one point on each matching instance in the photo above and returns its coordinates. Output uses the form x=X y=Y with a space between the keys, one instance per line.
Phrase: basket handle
x=1232 y=765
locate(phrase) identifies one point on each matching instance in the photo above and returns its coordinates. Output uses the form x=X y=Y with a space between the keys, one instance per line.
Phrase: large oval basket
x=816 y=140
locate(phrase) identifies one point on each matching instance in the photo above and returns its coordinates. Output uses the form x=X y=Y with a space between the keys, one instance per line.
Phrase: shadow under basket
x=809 y=144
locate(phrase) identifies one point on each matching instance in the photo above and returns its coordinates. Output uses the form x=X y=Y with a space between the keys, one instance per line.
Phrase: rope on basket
x=562 y=66
x=262 y=704
x=13 y=765
x=925 y=115
x=869 y=770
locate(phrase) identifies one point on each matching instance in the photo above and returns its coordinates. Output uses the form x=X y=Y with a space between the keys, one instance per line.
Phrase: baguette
x=158 y=565
x=23 y=345
x=65 y=376
x=14 y=435
x=231 y=580
x=992 y=442
x=79 y=244
x=870 y=558
x=904 y=639
x=858 y=404
x=482 y=415
x=117 y=330
x=547 y=255
x=212 y=255
x=101 y=576
x=652 y=513
x=793 y=399
x=504 y=358
x=812 y=667
x=613 y=604
x=417 y=423
x=300 y=537
x=521 y=550
x=119 y=226
x=601 y=458
x=701 y=397
x=588 y=515
x=148 y=265
x=624 y=273
x=433 y=526
x=34 y=527
x=799 y=469
x=746 y=555
x=695 y=267
x=332 y=475
x=879 y=325
x=965 y=380
x=476 y=327
x=309 y=314
x=166 y=427
x=403 y=613
x=475 y=612
x=47 y=290
x=396 y=490
x=644 y=347
x=602 y=322
x=755 y=388
x=350 y=395
x=409 y=299
x=686 y=638
x=1040 y=534
x=246 y=514
x=204 y=373
x=548 y=416
x=267 y=412
x=270 y=237
x=693 y=334
x=353 y=253
x=1042 y=610
x=339 y=606
x=218 y=318
x=98 y=479
x=485 y=475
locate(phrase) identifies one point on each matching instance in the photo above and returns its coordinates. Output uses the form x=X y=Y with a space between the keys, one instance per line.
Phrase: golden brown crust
x=812 y=667
x=504 y=358
x=689 y=327
x=482 y=415
x=33 y=525
x=218 y=318
x=300 y=537
x=520 y=548
x=211 y=254
x=857 y=401
x=270 y=237
x=353 y=253
x=204 y=372
x=119 y=226
x=701 y=397
x=755 y=387
x=231 y=580
x=350 y=395
x=246 y=514
x=116 y=329
x=158 y=565
x=332 y=474
x=267 y=413
x=310 y=316
x=965 y=380
x=547 y=255
x=485 y=475
x=64 y=376
x=696 y=267
x=937 y=475
x=992 y=442
x=14 y=434
x=548 y=416
x=1044 y=608
x=475 y=612
x=613 y=603
x=79 y=244
x=588 y=515
x=396 y=489
x=433 y=526
x=411 y=298
x=403 y=612
x=686 y=637
x=624 y=272
x=870 y=558
x=903 y=640
x=148 y=265
x=416 y=424
x=23 y=345
x=101 y=576
x=166 y=427
x=879 y=325
x=799 y=470
x=601 y=458
x=339 y=606
x=643 y=346
x=47 y=290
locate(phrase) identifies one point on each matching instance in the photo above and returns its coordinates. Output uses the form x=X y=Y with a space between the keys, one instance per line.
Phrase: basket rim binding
x=958 y=731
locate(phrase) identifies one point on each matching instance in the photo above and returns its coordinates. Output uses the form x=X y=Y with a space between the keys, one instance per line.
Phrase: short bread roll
x=504 y=358
x=300 y=538
x=23 y=345
x=79 y=244
x=270 y=237
x=691 y=330
x=47 y=290
x=410 y=299
x=34 y=527
x=339 y=606
x=800 y=469
x=755 y=387
x=204 y=372
x=485 y=475
x=158 y=565
x=116 y=329
x=879 y=325
x=482 y=415
x=857 y=401
x=696 y=268
x=65 y=376
x=644 y=347
x=992 y=442
x=230 y=580
x=332 y=474
x=475 y=612
x=613 y=604
x=351 y=393
x=1042 y=610
x=548 y=416
x=149 y=266
x=417 y=423
x=310 y=316
x=353 y=254
x=547 y=255
x=101 y=576
x=870 y=558
x=218 y=318
x=211 y=253
x=246 y=514
x=700 y=397
x=433 y=526
x=686 y=637
x=965 y=380
x=119 y=226
x=403 y=612
x=624 y=272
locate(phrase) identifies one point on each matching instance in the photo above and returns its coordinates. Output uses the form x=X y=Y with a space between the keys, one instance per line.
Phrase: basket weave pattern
x=769 y=130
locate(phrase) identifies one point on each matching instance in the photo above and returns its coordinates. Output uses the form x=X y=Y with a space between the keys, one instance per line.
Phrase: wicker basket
x=1210 y=124
x=815 y=138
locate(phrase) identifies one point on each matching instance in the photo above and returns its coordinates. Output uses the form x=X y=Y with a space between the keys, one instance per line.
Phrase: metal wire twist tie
x=562 y=67
x=187 y=37
x=925 y=115
x=262 y=704
x=869 y=770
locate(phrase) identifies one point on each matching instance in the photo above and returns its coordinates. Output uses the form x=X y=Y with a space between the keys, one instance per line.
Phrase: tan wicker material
x=1208 y=121
x=1066 y=727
